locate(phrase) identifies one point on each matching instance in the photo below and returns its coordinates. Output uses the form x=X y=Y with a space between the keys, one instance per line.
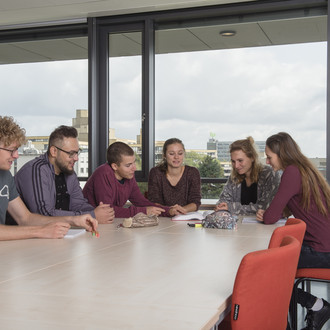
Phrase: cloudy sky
x=256 y=91
x=231 y=93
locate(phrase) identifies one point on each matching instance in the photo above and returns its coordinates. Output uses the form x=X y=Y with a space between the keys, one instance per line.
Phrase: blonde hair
x=11 y=132
x=313 y=182
x=247 y=146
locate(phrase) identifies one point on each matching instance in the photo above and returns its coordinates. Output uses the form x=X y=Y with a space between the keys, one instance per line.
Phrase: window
x=44 y=84
x=225 y=95
x=125 y=90
x=209 y=89
x=212 y=90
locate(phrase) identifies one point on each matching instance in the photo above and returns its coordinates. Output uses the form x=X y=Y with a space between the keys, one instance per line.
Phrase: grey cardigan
x=267 y=187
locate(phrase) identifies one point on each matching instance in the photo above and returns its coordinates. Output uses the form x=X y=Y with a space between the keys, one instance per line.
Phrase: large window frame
x=98 y=29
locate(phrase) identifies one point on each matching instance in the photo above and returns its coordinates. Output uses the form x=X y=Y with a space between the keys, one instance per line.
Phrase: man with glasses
x=30 y=225
x=49 y=185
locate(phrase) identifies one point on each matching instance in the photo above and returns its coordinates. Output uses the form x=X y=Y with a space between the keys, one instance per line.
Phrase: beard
x=64 y=169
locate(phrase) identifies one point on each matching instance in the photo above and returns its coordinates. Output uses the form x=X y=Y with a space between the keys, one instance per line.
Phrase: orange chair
x=262 y=290
x=296 y=228
x=293 y=227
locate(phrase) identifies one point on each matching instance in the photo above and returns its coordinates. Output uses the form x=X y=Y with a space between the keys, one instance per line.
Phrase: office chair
x=293 y=227
x=262 y=290
x=296 y=228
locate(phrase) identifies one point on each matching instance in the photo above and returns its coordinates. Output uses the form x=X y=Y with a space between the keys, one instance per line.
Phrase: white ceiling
x=16 y=13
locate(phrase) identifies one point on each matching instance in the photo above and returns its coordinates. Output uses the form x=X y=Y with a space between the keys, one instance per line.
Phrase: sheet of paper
x=198 y=215
x=74 y=233
x=188 y=216
x=253 y=219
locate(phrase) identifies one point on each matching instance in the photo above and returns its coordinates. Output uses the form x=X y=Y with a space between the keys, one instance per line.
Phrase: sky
x=253 y=91
x=232 y=93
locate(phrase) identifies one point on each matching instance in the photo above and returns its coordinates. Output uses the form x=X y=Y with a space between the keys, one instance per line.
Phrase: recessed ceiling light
x=228 y=33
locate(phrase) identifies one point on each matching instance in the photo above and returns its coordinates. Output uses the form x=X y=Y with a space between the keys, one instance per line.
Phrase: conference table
x=169 y=276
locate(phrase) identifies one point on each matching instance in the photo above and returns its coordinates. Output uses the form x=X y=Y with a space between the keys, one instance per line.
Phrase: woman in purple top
x=306 y=194
x=174 y=184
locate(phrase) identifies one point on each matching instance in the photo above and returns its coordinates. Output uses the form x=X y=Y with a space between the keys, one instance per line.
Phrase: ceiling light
x=228 y=33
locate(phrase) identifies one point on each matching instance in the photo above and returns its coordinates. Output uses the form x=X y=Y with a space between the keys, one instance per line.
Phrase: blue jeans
x=309 y=258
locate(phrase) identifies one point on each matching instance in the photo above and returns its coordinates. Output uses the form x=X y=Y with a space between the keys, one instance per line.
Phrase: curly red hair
x=11 y=132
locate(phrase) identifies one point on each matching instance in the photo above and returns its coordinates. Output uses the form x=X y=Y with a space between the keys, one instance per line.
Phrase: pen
x=95 y=233
x=195 y=225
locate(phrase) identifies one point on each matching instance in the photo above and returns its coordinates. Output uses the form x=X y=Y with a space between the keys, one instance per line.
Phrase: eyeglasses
x=12 y=151
x=70 y=153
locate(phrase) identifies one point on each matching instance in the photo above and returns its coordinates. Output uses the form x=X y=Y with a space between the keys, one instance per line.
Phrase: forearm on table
x=19 y=232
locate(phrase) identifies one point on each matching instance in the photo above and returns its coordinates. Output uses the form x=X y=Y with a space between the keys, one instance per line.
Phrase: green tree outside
x=143 y=187
x=192 y=158
x=211 y=168
x=138 y=162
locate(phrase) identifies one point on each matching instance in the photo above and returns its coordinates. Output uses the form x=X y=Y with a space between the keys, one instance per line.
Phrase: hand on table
x=154 y=210
x=54 y=230
x=177 y=209
x=221 y=206
x=85 y=221
x=104 y=213
x=260 y=215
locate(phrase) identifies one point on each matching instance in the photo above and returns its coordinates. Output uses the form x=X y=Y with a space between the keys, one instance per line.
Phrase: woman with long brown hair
x=251 y=185
x=306 y=194
x=174 y=184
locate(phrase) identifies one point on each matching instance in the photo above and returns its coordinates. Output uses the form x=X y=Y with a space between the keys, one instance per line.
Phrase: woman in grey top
x=251 y=185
